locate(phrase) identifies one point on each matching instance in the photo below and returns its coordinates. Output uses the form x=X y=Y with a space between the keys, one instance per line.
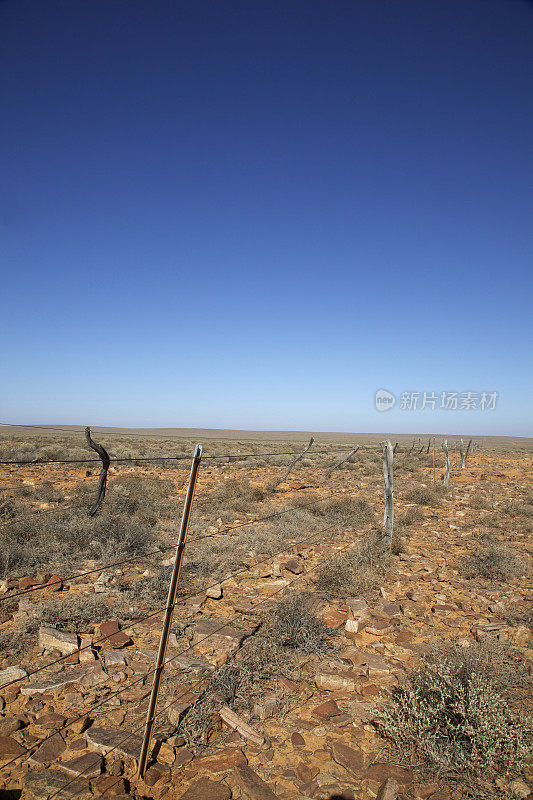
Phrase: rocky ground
x=73 y=728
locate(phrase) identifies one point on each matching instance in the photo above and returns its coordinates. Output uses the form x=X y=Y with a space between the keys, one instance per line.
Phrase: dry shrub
x=451 y=717
x=238 y=683
x=411 y=516
x=356 y=573
x=346 y=512
x=426 y=496
x=493 y=562
x=124 y=526
x=76 y=614
x=520 y=508
x=291 y=624
x=480 y=501
x=233 y=496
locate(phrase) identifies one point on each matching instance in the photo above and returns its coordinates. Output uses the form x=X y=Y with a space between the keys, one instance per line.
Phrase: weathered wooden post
x=171 y=599
x=388 y=515
x=293 y=463
x=433 y=459
x=464 y=455
x=446 y=478
x=342 y=461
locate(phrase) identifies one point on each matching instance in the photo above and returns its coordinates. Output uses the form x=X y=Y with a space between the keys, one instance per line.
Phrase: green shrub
x=451 y=717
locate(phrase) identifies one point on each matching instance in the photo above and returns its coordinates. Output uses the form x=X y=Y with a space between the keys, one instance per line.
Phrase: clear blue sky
x=256 y=214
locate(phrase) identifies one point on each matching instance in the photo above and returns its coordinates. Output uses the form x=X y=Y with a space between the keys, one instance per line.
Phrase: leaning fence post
x=342 y=461
x=102 y=483
x=446 y=478
x=293 y=463
x=158 y=672
x=464 y=455
x=388 y=515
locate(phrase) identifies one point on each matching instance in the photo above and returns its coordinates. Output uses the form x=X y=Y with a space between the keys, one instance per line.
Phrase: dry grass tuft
x=493 y=561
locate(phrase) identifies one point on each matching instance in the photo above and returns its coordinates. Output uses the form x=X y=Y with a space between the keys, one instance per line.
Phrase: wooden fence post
x=171 y=599
x=464 y=455
x=102 y=482
x=446 y=478
x=342 y=461
x=388 y=515
x=293 y=463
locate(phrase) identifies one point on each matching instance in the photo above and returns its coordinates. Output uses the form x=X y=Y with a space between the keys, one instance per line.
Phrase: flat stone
x=214 y=592
x=115 y=637
x=297 y=740
x=388 y=790
x=240 y=725
x=9 y=748
x=155 y=773
x=251 y=785
x=40 y=784
x=206 y=789
x=380 y=771
x=55 y=684
x=101 y=740
x=293 y=565
x=327 y=709
x=49 y=751
x=224 y=760
x=110 y=785
x=9 y=725
x=334 y=681
x=11 y=674
x=224 y=636
x=88 y=765
x=115 y=660
x=350 y=758
x=52 y=639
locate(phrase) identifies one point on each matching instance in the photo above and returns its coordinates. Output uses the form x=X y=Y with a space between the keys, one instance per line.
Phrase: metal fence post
x=167 y=622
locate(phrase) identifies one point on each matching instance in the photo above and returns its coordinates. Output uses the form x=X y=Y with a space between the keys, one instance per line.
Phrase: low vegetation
x=356 y=573
x=493 y=561
x=453 y=718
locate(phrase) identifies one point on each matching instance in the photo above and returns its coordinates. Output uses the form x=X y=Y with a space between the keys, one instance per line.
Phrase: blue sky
x=256 y=214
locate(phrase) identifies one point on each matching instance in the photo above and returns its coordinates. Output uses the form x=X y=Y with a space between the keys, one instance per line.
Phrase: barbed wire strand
x=188 y=689
x=140 y=557
x=167 y=661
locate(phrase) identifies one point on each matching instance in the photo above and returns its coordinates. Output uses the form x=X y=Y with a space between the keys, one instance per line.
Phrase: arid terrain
x=305 y=660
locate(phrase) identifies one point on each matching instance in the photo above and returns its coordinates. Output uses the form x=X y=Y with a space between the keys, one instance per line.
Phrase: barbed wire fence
x=390 y=454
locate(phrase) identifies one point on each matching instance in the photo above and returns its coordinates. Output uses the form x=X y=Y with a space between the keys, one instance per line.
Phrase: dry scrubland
x=359 y=672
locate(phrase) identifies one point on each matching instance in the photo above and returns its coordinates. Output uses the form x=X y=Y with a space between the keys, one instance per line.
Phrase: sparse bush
x=233 y=496
x=77 y=615
x=291 y=624
x=15 y=644
x=346 y=511
x=356 y=573
x=426 y=496
x=480 y=501
x=411 y=516
x=238 y=683
x=7 y=508
x=493 y=562
x=452 y=718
